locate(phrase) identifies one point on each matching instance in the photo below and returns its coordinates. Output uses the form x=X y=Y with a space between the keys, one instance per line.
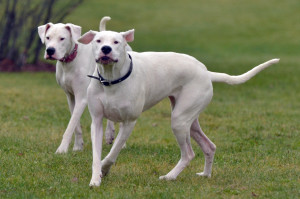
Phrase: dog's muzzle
x=49 y=57
x=106 y=60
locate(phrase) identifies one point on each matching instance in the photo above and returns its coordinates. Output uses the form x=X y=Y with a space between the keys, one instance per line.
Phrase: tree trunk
x=19 y=20
x=9 y=25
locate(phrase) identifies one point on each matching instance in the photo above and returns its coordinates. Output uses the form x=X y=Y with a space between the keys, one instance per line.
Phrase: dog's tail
x=102 y=26
x=232 y=80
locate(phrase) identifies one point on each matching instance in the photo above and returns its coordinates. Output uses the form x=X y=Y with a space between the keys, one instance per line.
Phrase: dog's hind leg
x=181 y=133
x=78 y=143
x=207 y=146
x=109 y=132
x=181 y=130
x=190 y=151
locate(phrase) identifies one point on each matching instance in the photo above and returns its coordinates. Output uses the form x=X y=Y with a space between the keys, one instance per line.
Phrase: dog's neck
x=71 y=54
x=115 y=71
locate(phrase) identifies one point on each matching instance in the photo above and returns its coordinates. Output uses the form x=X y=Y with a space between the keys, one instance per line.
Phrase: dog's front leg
x=75 y=118
x=78 y=143
x=96 y=135
x=125 y=131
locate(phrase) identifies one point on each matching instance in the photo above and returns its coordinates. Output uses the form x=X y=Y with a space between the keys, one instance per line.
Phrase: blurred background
x=212 y=31
x=19 y=19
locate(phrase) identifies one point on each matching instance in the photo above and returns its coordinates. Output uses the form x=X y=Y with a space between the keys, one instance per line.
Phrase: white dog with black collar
x=155 y=76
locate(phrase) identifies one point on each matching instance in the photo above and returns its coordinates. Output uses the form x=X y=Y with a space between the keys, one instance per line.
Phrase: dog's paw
x=109 y=139
x=204 y=174
x=106 y=167
x=61 y=149
x=95 y=181
x=78 y=147
x=105 y=170
x=167 y=177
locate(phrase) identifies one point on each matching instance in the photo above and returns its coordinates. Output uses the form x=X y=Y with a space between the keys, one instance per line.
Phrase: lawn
x=255 y=125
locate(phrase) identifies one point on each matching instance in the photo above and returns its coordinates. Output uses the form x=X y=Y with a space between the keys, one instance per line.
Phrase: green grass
x=255 y=125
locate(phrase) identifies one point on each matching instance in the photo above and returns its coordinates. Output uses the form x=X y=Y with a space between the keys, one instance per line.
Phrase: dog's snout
x=106 y=49
x=50 y=51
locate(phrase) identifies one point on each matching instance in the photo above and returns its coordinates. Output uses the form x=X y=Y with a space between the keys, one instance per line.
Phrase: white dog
x=130 y=83
x=74 y=62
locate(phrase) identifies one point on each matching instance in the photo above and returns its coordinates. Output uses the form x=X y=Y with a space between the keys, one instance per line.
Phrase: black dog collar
x=106 y=82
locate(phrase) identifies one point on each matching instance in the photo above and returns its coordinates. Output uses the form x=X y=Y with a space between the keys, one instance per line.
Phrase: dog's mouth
x=49 y=57
x=106 y=60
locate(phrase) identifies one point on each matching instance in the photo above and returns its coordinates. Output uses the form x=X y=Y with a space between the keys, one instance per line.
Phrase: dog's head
x=58 y=39
x=108 y=46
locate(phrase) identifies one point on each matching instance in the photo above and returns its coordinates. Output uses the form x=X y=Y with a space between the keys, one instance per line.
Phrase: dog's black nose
x=106 y=49
x=50 y=51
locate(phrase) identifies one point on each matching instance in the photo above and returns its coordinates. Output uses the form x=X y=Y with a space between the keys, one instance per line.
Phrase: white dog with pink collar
x=74 y=62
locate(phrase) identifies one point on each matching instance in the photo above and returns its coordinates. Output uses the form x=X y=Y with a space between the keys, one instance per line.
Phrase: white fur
x=72 y=76
x=155 y=76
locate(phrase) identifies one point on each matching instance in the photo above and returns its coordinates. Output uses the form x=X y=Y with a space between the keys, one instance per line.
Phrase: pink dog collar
x=71 y=56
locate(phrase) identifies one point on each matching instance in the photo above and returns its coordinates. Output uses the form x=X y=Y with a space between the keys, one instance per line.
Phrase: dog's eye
x=98 y=41
x=47 y=38
x=61 y=39
x=116 y=42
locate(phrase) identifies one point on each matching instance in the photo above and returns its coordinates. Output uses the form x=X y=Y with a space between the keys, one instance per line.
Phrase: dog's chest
x=119 y=109
x=66 y=80
x=65 y=83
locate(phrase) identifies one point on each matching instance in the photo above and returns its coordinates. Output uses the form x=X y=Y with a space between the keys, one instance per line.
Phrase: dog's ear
x=42 y=31
x=128 y=35
x=87 y=37
x=74 y=30
x=102 y=26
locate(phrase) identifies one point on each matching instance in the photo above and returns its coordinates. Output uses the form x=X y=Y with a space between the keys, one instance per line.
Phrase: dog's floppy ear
x=42 y=31
x=87 y=37
x=128 y=35
x=74 y=30
x=102 y=26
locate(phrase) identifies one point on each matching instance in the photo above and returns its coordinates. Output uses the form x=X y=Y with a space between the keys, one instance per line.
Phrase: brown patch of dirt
x=7 y=65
